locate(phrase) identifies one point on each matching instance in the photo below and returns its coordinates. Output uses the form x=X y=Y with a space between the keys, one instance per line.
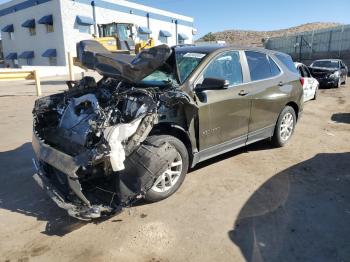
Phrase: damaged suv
x=101 y=146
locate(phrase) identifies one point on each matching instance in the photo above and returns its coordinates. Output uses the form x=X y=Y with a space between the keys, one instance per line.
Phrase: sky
x=219 y=15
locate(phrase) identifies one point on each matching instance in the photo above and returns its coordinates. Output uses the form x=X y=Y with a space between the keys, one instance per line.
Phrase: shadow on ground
x=341 y=118
x=258 y=146
x=19 y=193
x=300 y=214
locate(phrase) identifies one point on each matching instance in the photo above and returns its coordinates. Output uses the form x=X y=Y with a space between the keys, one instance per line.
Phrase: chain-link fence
x=318 y=44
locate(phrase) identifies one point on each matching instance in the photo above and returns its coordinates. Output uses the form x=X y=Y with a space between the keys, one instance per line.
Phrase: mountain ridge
x=255 y=38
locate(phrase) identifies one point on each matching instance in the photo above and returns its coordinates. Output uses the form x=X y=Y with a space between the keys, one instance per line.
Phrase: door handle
x=243 y=93
x=281 y=83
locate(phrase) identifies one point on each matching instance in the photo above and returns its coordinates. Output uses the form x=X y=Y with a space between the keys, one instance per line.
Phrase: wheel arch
x=295 y=108
x=177 y=131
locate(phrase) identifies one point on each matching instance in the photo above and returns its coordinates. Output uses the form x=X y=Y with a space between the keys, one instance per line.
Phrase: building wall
x=38 y=43
x=67 y=32
x=122 y=12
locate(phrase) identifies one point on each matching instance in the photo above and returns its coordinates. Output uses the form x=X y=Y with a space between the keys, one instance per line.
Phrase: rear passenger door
x=267 y=95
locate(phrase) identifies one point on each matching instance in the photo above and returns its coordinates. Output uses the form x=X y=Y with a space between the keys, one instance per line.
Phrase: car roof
x=211 y=48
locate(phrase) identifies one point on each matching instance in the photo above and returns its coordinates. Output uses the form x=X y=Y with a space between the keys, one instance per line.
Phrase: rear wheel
x=172 y=178
x=316 y=93
x=285 y=127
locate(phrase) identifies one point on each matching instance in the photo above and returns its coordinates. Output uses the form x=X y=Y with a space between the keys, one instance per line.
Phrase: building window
x=11 y=35
x=32 y=31
x=163 y=39
x=181 y=42
x=49 y=28
x=30 y=61
x=48 y=22
x=163 y=36
x=27 y=56
x=144 y=37
x=84 y=29
x=53 y=61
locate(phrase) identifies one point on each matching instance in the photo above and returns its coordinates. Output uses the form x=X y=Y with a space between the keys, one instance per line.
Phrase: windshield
x=159 y=77
x=326 y=64
x=186 y=63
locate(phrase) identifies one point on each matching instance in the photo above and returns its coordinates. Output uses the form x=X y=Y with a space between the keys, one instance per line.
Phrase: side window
x=306 y=72
x=259 y=65
x=226 y=66
x=287 y=61
x=275 y=71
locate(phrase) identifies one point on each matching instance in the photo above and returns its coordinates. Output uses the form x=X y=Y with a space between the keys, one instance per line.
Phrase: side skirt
x=225 y=147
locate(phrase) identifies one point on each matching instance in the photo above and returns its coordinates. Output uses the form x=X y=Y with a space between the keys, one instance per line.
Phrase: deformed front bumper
x=68 y=165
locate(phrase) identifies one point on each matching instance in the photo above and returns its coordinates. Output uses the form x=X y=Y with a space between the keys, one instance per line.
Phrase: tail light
x=302 y=81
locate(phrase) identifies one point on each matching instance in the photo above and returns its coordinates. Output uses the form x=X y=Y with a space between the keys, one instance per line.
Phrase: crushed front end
x=93 y=157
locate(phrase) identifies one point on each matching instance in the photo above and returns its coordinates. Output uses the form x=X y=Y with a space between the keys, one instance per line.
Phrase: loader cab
x=117 y=36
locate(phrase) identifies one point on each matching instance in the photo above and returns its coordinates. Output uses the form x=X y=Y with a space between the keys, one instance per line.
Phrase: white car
x=310 y=84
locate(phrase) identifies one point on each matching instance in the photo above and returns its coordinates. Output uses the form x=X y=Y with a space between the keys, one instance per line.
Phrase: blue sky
x=218 y=15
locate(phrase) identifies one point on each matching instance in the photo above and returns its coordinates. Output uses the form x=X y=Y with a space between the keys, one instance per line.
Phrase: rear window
x=288 y=62
x=261 y=66
x=326 y=63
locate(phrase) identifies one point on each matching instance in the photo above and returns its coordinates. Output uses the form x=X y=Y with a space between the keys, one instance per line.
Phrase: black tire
x=154 y=196
x=277 y=140
x=337 y=85
x=316 y=93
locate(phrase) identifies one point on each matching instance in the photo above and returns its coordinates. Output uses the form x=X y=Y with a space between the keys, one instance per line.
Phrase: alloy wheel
x=287 y=126
x=169 y=178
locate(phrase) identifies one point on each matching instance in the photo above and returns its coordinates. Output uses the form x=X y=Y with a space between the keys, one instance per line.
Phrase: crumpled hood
x=126 y=67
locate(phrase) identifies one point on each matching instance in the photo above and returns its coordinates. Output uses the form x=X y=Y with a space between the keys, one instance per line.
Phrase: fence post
x=341 y=41
x=37 y=83
x=70 y=66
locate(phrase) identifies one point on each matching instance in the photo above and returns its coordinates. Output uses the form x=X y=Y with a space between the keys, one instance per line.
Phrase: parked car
x=329 y=72
x=101 y=146
x=310 y=84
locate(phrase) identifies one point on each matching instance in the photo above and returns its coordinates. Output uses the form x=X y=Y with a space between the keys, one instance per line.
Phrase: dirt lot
x=253 y=204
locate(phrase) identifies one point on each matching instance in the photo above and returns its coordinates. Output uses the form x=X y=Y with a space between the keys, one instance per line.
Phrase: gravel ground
x=253 y=204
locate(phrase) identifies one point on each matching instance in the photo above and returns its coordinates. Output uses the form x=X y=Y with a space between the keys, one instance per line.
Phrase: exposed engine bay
x=91 y=143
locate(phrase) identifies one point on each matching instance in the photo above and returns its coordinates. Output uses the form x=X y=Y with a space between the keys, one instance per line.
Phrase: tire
x=278 y=138
x=337 y=85
x=316 y=93
x=157 y=193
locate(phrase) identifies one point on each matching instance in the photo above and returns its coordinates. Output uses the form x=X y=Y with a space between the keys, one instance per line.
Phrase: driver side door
x=223 y=114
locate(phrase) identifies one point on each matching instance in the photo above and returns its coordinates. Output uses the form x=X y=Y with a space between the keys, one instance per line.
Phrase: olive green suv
x=134 y=134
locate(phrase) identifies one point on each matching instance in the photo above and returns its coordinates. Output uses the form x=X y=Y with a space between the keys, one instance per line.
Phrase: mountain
x=254 y=38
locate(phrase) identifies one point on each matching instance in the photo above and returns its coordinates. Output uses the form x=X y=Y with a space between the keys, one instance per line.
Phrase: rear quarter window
x=261 y=66
x=288 y=62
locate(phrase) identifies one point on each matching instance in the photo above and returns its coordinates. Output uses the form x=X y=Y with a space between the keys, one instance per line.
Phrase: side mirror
x=212 y=84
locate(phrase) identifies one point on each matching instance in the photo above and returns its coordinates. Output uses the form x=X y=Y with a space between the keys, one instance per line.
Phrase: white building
x=41 y=32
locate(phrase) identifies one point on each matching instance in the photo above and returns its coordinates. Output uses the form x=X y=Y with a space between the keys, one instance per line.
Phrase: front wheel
x=284 y=127
x=170 y=181
x=337 y=85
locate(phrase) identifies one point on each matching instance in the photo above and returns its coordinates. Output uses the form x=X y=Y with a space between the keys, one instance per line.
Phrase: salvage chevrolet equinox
x=101 y=146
